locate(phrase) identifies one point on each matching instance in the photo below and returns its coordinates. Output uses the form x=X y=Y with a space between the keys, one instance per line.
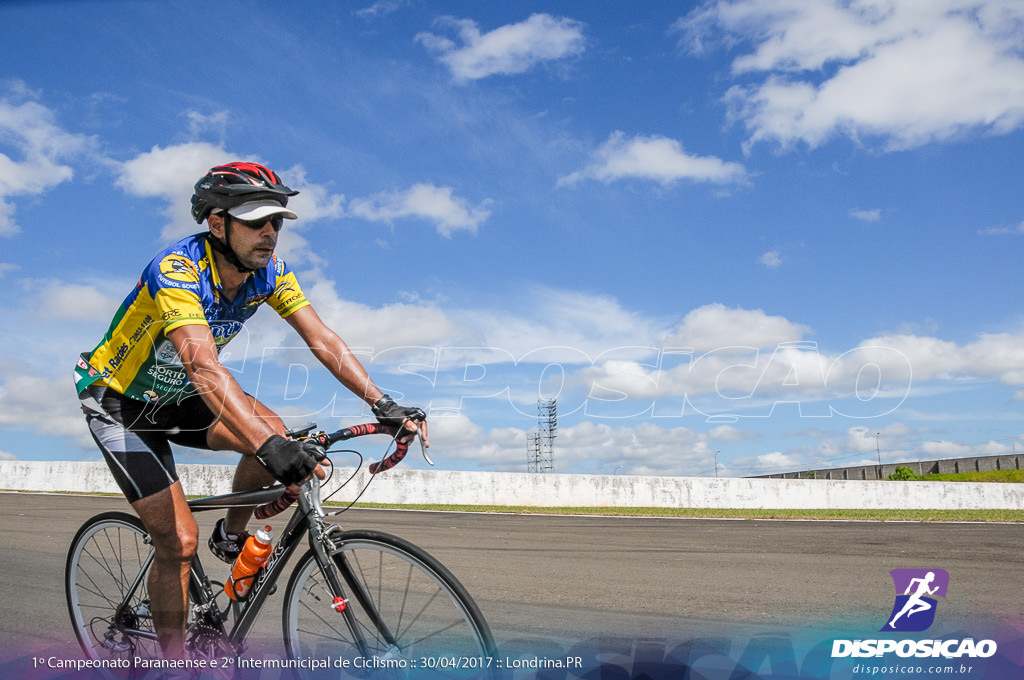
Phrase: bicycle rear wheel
x=105 y=584
x=405 y=612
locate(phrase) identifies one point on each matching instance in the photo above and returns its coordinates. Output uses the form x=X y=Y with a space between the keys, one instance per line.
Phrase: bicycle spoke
x=106 y=589
x=318 y=616
x=397 y=592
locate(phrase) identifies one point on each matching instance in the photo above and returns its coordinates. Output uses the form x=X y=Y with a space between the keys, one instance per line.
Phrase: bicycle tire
x=436 y=623
x=106 y=557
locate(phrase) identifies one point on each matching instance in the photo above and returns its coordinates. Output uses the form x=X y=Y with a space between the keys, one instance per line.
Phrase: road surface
x=546 y=584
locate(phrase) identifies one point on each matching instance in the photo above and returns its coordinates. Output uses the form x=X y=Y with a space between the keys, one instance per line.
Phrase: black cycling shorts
x=135 y=436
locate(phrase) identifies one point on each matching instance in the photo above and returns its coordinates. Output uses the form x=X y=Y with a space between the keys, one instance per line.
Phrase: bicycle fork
x=339 y=573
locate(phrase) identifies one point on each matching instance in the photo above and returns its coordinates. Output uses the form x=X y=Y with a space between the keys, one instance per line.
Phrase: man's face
x=254 y=242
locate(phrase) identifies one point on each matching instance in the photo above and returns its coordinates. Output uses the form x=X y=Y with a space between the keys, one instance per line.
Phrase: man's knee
x=179 y=544
x=170 y=524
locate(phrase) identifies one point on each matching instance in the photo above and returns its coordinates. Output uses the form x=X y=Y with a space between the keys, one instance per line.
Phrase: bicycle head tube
x=309 y=499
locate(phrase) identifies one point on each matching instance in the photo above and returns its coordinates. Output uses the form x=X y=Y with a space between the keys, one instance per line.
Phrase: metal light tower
x=540 y=444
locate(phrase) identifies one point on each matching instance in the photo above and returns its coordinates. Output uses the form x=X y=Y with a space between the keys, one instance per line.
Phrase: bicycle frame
x=209 y=634
x=307 y=519
x=299 y=524
x=201 y=590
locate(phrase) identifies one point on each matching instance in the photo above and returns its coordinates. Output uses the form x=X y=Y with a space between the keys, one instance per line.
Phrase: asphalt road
x=546 y=583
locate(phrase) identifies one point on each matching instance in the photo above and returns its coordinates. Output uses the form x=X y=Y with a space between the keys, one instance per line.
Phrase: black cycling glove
x=290 y=461
x=390 y=413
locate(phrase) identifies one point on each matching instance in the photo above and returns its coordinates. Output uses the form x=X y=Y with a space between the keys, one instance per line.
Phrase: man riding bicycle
x=156 y=377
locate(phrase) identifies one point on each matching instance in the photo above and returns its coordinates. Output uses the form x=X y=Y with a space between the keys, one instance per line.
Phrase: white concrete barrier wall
x=557 y=490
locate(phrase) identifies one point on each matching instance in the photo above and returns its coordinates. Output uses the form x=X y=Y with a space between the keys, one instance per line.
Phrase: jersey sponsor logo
x=179 y=268
x=287 y=296
x=224 y=330
x=254 y=300
x=166 y=353
x=141 y=330
x=85 y=366
x=115 y=361
x=167 y=377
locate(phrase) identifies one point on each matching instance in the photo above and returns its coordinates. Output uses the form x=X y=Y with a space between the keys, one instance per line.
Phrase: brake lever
x=423 y=450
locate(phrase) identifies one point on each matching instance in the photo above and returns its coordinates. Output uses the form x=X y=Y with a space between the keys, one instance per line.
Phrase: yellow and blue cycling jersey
x=180 y=286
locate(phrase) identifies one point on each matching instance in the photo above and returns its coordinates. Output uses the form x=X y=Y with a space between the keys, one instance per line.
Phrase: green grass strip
x=843 y=515
x=1000 y=476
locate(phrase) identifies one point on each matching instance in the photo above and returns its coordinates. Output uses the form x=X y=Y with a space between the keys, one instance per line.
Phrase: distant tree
x=902 y=473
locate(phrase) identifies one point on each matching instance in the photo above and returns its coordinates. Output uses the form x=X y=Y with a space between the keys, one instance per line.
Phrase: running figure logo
x=914 y=609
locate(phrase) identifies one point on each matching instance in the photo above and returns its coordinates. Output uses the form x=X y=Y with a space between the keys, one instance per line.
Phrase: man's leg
x=249 y=474
x=175 y=536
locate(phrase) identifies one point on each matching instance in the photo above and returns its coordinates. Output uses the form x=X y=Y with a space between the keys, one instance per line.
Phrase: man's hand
x=290 y=461
x=411 y=418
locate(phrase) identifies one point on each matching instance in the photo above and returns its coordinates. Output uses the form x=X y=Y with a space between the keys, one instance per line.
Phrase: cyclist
x=156 y=377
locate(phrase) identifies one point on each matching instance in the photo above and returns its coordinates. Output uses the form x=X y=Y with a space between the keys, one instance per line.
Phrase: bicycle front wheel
x=105 y=584
x=405 y=611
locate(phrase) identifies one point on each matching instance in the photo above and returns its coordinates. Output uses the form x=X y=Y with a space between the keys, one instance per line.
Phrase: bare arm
x=328 y=347
x=217 y=387
x=335 y=355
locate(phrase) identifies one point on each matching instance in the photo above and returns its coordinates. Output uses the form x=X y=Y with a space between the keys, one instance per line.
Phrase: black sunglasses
x=276 y=221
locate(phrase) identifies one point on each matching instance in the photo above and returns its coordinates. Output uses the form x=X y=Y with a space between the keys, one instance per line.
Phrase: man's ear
x=215 y=222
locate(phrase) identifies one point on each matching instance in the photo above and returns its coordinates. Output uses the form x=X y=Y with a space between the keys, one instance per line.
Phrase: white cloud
x=772 y=259
x=906 y=74
x=48 y=405
x=170 y=173
x=58 y=300
x=509 y=49
x=654 y=158
x=199 y=123
x=728 y=433
x=601 y=343
x=1002 y=231
x=946 y=449
x=32 y=149
x=644 y=449
x=380 y=9
x=715 y=326
x=992 y=356
x=401 y=324
x=439 y=205
x=558 y=324
x=866 y=215
x=769 y=463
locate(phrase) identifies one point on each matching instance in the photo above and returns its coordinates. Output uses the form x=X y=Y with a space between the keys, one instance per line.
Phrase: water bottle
x=253 y=556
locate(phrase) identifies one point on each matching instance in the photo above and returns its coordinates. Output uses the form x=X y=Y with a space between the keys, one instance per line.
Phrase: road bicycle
x=357 y=601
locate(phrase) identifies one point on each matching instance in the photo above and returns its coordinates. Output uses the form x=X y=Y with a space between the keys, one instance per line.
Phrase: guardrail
x=439 y=487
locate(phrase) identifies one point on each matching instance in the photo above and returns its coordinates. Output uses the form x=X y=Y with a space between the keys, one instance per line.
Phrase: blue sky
x=778 y=233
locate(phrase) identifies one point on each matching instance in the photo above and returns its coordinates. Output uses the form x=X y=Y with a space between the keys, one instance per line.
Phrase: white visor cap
x=261 y=210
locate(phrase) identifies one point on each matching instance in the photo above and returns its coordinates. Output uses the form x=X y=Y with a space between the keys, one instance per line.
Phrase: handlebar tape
x=392 y=460
x=272 y=508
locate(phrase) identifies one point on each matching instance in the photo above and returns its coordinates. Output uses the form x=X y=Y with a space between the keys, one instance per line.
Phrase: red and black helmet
x=233 y=184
